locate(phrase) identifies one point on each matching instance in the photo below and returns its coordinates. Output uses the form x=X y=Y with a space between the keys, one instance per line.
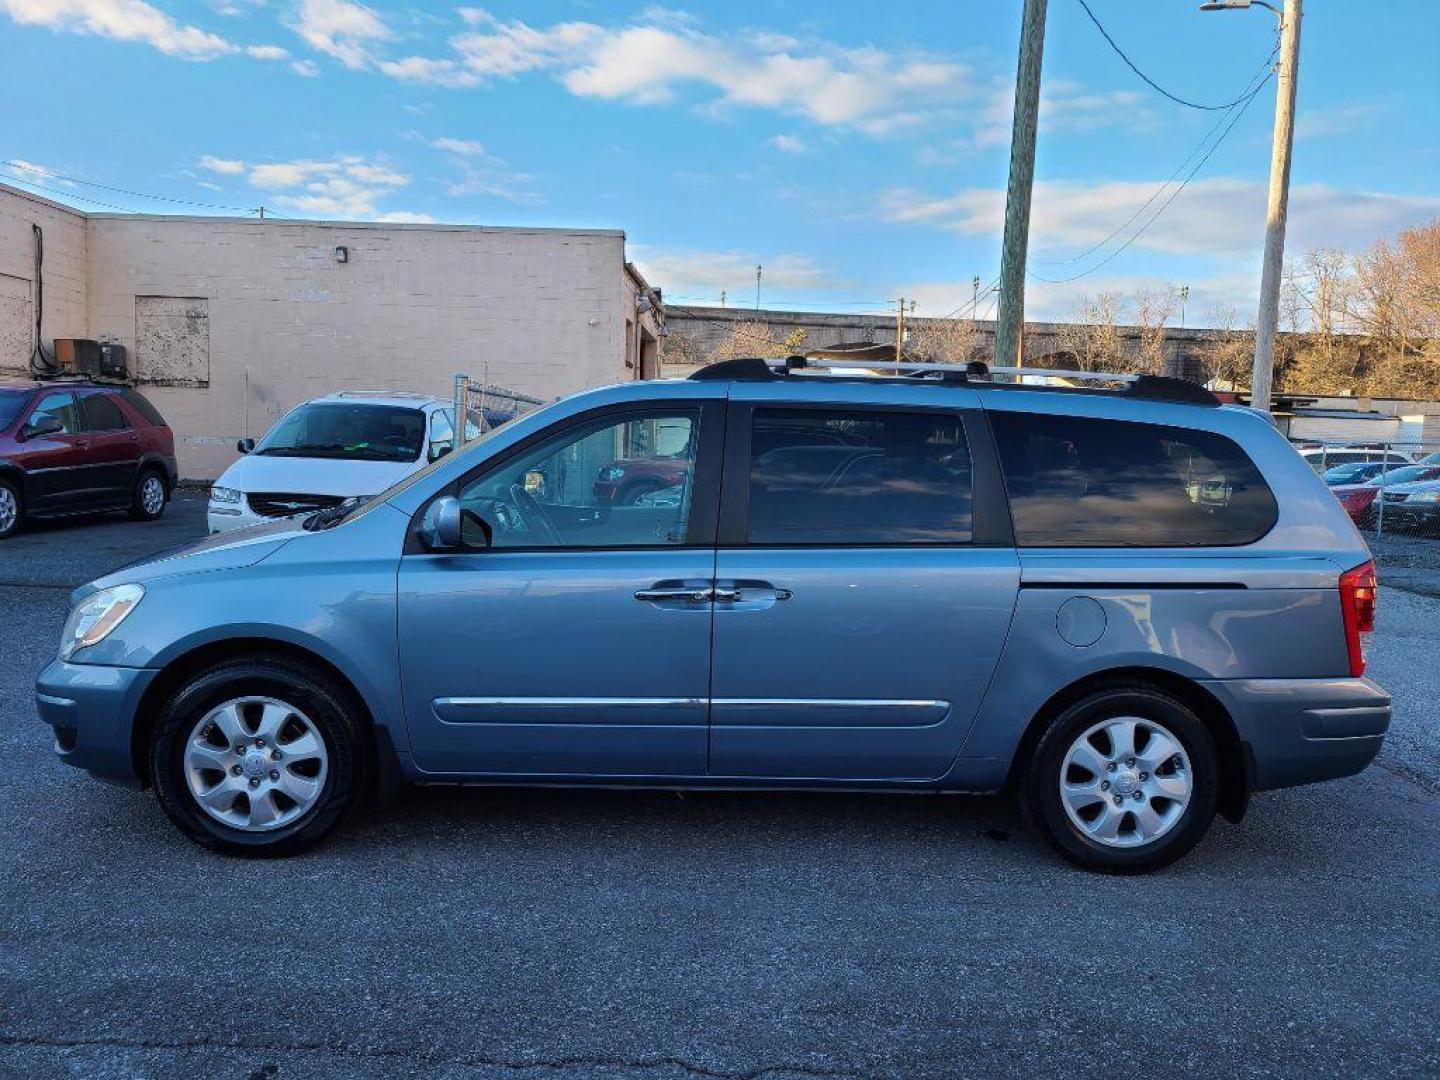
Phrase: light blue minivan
x=1133 y=607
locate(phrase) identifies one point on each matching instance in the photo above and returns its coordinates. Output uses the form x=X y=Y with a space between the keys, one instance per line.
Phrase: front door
x=864 y=589
x=61 y=477
x=572 y=637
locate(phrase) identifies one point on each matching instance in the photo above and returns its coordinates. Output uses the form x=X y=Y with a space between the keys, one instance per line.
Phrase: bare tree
x=1229 y=356
x=1092 y=336
x=755 y=338
x=1153 y=309
x=948 y=341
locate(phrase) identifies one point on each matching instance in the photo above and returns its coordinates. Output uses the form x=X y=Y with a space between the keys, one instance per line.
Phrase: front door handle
x=691 y=595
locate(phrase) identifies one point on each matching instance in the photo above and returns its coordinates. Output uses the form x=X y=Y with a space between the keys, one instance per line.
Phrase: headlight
x=1425 y=496
x=224 y=495
x=96 y=616
x=611 y=473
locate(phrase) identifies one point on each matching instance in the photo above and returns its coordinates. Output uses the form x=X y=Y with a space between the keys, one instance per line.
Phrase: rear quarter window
x=1085 y=482
x=141 y=404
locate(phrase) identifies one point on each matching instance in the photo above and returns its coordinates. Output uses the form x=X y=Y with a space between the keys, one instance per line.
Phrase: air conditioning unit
x=78 y=356
x=114 y=363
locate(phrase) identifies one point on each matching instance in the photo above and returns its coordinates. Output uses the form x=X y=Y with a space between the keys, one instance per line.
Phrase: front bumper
x=1299 y=731
x=1417 y=517
x=91 y=708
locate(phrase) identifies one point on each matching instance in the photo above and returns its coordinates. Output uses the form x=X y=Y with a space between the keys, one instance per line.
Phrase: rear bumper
x=91 y=708
x=1299 y=731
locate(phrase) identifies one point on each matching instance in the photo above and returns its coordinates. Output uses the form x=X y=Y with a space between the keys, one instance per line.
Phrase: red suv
x=77 y=447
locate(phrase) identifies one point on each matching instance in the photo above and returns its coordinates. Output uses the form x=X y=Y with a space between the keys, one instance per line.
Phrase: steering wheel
x=532 y=511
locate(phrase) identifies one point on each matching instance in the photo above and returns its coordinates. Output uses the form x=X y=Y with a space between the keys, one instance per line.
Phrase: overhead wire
x=1146 y=78
x=25 y=168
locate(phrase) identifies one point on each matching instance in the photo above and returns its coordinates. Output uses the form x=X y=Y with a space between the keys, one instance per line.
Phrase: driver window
x=613 y=483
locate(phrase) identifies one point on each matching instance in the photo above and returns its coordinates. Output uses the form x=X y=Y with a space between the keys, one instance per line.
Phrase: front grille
x=283 y=503
x=1395 y=496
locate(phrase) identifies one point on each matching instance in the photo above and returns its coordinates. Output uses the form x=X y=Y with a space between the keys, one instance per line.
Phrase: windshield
x=334 y=429
x=1406 y=474
x=11 y=402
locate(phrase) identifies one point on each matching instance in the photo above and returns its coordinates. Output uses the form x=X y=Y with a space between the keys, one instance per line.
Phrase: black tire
x=138 y=499
x=326 y=706
x=11 y=491
x=630 y=494
x=1040 y=786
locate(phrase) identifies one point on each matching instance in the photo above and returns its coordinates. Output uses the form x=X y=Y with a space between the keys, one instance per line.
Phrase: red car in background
x=78 y=447
x=1359 y=499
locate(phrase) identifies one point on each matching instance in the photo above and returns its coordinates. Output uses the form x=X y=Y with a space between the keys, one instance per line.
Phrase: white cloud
x=705 y=273
x=342 y=29
x=224 y=166
x=462 y=147
x=308 y=68
x=127 y=20
x=428 y=71
x=30 y=173
x=788 y=144
x=348 y=186
x=405 y=217
x=267 y=52
x=1219 y=216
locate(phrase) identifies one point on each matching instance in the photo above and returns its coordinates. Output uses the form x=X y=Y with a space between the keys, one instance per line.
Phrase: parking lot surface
x=489 y=932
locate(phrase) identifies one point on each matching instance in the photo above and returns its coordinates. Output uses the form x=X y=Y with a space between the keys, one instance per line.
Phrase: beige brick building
x=231 y=321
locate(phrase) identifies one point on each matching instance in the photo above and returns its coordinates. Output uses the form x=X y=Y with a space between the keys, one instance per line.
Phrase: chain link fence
x=487 y=406
x=1389 y=489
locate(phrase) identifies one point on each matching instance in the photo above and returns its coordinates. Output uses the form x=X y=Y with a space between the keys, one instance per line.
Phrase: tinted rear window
x=841 y=477
x=141 y=404
x=1079 y=482
x=102 y=414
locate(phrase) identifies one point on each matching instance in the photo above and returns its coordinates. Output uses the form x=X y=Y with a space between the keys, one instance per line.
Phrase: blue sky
x=858 y=152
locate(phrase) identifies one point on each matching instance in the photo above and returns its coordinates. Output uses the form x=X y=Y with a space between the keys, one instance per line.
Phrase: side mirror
x=42 y=423
x=440 y=527
x=536 y=483
x=440 y=449
x=245 y=445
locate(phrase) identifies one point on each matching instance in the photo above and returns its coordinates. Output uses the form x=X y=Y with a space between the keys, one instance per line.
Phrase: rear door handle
x=736 y=591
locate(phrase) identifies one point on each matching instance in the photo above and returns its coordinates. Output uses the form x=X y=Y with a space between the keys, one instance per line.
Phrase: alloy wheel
x=255 y=763
x=9 y=509
x=1125 y=782
x=152 y=495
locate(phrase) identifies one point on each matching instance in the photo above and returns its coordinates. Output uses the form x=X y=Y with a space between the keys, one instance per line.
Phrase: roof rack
x=380 y=393
x=976 y=374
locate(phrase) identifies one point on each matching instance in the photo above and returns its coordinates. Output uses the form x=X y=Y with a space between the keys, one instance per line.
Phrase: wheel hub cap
x=1125 y=782
x=256 y=763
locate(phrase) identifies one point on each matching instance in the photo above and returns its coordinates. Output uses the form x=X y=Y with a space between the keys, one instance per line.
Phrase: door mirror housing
x=440 y=527
x=245 y=445
x=42 y=423
x=536 y=483
x=440 y=449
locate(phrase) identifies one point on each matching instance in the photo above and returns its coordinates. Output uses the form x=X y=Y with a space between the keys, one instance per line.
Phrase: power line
x=1151 y=82
x=25 y=168
x=1173 y=196
x=1251 y=90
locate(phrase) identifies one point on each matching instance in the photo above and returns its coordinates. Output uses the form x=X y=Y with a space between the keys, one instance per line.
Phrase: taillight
x=1357 y=606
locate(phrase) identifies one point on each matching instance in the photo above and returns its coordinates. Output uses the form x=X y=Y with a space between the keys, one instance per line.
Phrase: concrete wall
x=64 y=276
x=533 y=310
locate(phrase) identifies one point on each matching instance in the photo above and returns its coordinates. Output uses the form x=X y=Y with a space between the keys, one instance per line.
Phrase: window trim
x=1121 y=546
x=990 y=515
x=85 y=399
x=701 y=528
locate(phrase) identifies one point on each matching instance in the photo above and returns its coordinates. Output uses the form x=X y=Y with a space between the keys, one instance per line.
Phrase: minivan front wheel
x=147 y=502
x=1124 y=781
x=257 y=757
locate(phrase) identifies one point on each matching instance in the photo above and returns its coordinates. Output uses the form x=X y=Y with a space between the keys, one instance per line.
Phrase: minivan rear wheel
x=1124 y=781
x=257 y=757
x=147 y=502
x=11 y=509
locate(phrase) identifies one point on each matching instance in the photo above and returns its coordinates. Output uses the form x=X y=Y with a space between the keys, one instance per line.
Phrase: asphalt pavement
x=505 y=933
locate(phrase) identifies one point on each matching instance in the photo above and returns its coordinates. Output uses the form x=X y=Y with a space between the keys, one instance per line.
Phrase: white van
x=329 y=449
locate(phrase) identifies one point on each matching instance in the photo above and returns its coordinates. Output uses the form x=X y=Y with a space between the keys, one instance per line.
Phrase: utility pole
x=1010 y=321
x=758 y=270
x=900 y=326
x=722 y=297
x=1184 y=299
x=974 y=295
x=1281 y=145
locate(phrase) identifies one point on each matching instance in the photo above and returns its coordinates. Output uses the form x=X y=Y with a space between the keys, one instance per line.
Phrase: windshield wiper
x=334 y=515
